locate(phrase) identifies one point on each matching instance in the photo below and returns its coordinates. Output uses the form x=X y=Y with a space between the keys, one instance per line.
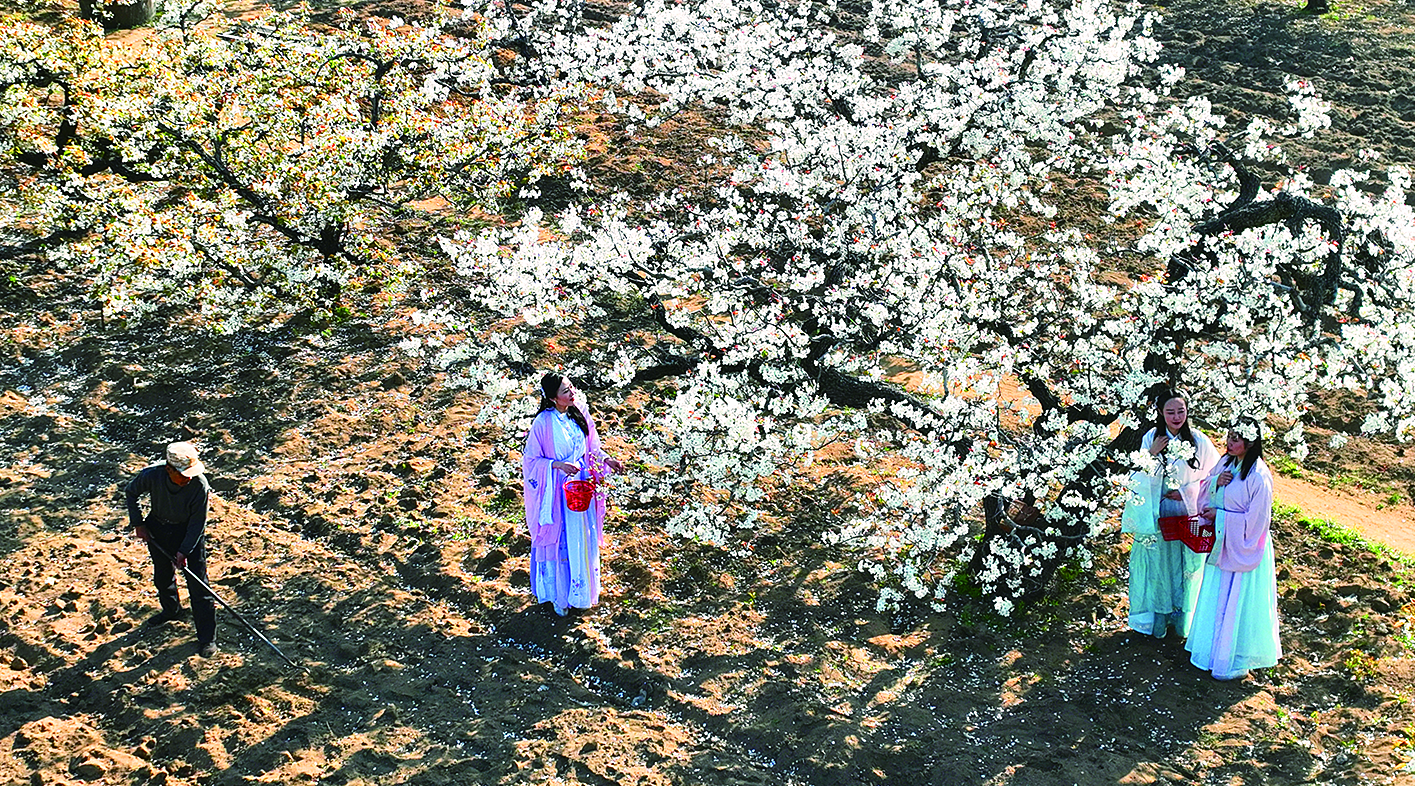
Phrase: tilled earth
x=358 y=525
x=361 y=525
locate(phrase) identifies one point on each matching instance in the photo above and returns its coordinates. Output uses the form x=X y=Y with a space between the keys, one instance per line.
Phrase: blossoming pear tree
x=897 y=192
x=898 y=187
x=241 y=170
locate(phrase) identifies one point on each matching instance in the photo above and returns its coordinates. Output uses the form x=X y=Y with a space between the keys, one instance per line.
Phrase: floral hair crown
x=1248 y=429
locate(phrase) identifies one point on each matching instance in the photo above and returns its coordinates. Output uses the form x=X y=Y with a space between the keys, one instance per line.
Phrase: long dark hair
x=549 y=389
x=1185 y=433
x=1255 y=447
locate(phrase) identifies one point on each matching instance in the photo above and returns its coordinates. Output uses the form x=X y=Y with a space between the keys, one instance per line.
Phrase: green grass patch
x=1359 y=480
x=1332 y=532
x=1285 y=466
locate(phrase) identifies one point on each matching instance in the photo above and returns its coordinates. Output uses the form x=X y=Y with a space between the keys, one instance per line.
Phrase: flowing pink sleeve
x=536 y=463
x=1245 y=531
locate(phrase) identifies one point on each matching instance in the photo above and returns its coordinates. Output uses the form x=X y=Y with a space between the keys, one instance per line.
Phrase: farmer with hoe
x=174 y=531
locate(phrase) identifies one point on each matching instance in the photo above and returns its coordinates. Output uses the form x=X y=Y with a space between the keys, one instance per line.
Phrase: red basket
x=578 y=494
x=1175 y=527
x=1193 y=531
x=1199 y=537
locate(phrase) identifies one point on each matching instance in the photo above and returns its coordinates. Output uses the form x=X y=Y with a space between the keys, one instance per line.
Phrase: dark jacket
x=172 y=506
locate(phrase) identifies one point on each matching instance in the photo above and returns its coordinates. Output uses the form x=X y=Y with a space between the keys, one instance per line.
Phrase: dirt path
x=1393 y=525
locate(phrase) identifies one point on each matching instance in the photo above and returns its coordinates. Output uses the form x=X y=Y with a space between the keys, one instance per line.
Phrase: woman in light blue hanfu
x=1164 y=575
x=1235 y=620
x=563 y=445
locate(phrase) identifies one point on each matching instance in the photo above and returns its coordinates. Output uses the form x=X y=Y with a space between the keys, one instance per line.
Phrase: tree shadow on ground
x=827 y=691
x=838 y=693
x=78 y=418
x=815 y=687
x=388 y=689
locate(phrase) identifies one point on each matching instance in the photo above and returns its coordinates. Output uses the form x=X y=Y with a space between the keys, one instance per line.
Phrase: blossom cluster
x=891 y=199
x=240 y=170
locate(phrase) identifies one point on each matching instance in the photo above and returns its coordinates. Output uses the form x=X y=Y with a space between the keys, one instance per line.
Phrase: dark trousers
x=164 y=577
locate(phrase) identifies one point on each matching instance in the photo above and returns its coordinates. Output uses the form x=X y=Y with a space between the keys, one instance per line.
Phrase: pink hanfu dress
x=1235 y=619
x=565 y=544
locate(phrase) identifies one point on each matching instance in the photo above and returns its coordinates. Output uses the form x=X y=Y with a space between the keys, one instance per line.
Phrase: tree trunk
x=118 y=14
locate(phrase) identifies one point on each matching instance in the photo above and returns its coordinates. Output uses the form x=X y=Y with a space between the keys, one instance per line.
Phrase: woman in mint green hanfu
x=1235 y=619
x=1164 y=575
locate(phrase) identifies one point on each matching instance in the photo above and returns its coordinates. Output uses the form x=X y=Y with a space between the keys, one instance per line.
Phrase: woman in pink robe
x=563 y=445
x=1235 y=619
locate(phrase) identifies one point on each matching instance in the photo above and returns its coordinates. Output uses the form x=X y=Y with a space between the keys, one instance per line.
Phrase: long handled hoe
x=227 y=606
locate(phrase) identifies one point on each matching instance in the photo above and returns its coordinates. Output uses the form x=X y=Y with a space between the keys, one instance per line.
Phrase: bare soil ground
x=355 y=527
x=1392 y=525
x=359 y=525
